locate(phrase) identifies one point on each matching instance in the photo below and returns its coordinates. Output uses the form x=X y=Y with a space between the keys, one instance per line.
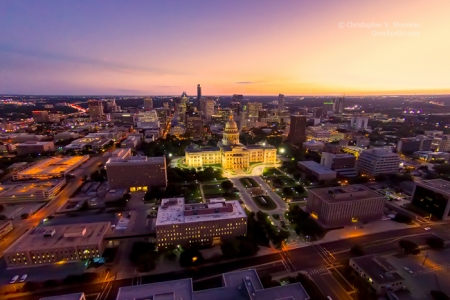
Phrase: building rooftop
x=378 y=269
x=315 y=167
x=30 y=143
x=239 y=285
x=438 y=184
x=380 y=152
x=28 y=187
x=60 y=236
x=54 y=165
x=352 y=192
x=136 y=159
x=76 y=296
x=175 y=211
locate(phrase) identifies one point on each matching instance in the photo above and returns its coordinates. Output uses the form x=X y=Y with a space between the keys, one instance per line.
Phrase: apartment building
x=432 y=197
x=198 y=224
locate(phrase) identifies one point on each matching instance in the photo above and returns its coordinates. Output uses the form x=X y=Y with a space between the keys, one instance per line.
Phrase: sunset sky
x=254 y=47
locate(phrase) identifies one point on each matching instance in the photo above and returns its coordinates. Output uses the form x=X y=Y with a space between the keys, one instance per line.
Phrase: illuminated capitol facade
x=229 y=152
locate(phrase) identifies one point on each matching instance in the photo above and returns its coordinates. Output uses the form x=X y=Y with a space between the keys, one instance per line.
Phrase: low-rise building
x=319 y=172
x=131 y=142
x=6 y=227
x=199 y=224
x=380 y=274
x=343 y=164
x=54 y=167
x=238 y=285
x=378 y=161
x=338 y=206
x=430 y=156
x=61 y=243
x=76 y=296
x=36 y=147
x=313 y=146
x=31 y=191
x=432 y=197
x=138 y=173
x=410 y=145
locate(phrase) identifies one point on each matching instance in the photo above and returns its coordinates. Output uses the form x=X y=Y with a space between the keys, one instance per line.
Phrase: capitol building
x=229 y=152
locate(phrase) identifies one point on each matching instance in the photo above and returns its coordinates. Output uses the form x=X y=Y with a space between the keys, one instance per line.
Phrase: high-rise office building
x=194 y=125
x=280 y=102
x=199 y=96
x=208 y=107
x=329 y=106
x=297 y=131
x=339 y=105
x=378 y=161
x=95 y=110
x=254 y=108
x=148 y=103
x=236 y=107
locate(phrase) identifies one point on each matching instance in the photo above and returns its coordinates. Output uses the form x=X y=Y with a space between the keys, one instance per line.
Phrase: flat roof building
x=31 y=191
x=338 y=206
x=76 y=296
x=343 y=164
x=6 y=227
x=380 y=274
x=432 y=197
x=35 y=147
x=319 y=172
x=203 y=224
x=239 y=285
x=378 y=161
x=50 y=168
x=138 y=173
x=52 y=244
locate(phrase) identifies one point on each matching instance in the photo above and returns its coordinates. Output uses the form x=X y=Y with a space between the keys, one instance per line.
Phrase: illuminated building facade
x=198 y=224
x=230 y=153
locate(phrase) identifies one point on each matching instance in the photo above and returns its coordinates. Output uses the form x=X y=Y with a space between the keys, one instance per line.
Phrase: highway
x=71 y=187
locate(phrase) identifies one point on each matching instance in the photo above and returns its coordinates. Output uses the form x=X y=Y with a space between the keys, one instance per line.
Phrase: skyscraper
x=148 y=103
x=254 y=108
x=199 y=96
x=95 y=110
x=297 y=131
x=339 y=105
x=280 y=102
x=208 y=107
x=40 y=116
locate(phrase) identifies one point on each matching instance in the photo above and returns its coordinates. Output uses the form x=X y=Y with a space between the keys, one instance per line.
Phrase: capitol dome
x=231 y=124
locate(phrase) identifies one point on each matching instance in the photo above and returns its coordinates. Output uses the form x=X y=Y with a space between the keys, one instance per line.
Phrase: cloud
x=86 y=61
x=248 y=82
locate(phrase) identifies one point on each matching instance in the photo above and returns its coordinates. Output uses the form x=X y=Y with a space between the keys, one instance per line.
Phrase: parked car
x=408 y=270
x=14 y=279
x=23 y=278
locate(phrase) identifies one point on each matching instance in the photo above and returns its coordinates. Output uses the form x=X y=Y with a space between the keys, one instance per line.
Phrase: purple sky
x=165 y=47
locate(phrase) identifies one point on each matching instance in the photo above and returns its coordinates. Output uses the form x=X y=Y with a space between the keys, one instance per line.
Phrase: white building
x=359 y=122
x=202 y=224
x=131 y=142
x=378 y=161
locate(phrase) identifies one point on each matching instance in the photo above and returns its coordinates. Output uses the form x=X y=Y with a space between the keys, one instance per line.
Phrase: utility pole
x=426 y=255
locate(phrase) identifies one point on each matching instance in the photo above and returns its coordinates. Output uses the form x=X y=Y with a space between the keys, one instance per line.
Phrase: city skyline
x=294 y=48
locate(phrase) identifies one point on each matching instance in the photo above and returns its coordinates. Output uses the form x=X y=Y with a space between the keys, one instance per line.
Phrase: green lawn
x=264 y=202
x=272 y=172
x=193 y=196
x=212 y=189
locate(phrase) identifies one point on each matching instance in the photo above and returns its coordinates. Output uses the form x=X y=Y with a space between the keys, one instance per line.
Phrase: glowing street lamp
x=282 y=150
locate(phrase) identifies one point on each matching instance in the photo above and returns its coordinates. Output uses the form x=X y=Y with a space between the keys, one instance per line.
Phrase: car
x=329 y=298
x=427 y=228
x=23 y=278
x=14 y=279
x=408 y=270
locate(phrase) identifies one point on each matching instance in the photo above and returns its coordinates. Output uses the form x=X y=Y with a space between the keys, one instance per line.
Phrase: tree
x=357 y=250
x=25 y=215
x=402 y=218
x=191 y=257
x=1 y=207
x=435 y=242
x=409 y=247
x=226 y=185
x=277 y=182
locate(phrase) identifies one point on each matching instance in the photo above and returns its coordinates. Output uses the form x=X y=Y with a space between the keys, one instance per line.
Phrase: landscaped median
x=248 y=182
x=264 y=202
